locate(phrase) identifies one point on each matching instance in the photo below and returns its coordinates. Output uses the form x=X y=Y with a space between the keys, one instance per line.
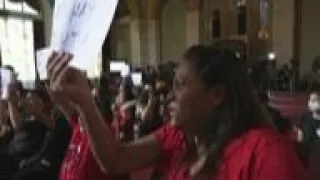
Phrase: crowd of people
x=203 y=119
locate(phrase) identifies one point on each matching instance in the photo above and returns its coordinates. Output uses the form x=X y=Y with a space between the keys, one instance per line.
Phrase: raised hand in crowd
x=71 y=81
x=61 y=101
x=13 y=107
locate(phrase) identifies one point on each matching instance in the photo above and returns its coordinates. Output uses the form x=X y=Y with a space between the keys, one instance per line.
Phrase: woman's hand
x=67 y=80
x=57 y=97
x=61 y=101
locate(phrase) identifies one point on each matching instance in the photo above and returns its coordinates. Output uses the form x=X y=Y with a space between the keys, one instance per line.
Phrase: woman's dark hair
x=105 y=98
x=284 y=125
x=128 y=91
x=240 y=110
x=144 y=98
x=263 y=97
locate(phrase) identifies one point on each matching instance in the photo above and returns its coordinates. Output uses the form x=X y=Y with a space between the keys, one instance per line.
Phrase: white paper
x=125 y=71
x=80 y=27
x=117 y=66
x=136 y=78
x=42 y=57
x=6 y=79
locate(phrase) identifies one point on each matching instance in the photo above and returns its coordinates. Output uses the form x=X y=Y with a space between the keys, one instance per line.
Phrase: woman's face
x=195 y=103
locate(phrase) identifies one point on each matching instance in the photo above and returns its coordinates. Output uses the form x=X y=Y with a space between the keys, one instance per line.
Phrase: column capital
x=146 y=9
x=133 y=6
x=193 y=5
x=151 y=9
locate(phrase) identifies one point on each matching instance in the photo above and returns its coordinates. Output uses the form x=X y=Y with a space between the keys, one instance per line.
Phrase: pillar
x=255 y=45
x=283 y=30
x=135 y=32
x=193 y=22
x=152 y=41
x=47 y=14
x=135 y=43
x=150 y=30
x=145 y=30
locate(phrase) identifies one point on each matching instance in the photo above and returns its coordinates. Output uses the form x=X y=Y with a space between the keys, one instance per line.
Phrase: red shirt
x=123 y=123
x=258 y=154
x=79 y=163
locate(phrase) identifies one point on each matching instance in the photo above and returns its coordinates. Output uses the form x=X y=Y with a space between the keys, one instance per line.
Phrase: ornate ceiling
x=33 y=3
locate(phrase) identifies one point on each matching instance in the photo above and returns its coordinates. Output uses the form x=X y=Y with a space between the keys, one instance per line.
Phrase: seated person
x=46 y=163
x=30 y=128
x=310 y=123
x=309 y=129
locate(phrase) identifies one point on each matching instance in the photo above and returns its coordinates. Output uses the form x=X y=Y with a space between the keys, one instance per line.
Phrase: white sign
x=136 y=78
x=6 y=79
x=42 y=57
x=117 y=66
x=125 y=71
x=120 y=66
x=80 y=27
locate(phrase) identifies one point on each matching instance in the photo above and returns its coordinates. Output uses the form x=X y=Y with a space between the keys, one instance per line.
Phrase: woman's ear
x=217 y=95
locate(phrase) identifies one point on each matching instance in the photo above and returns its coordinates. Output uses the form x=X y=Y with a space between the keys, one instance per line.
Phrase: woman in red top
x=79 y=162
x=219 y=131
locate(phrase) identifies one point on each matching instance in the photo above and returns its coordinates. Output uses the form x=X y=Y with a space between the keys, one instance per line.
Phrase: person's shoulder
x=256 y=140
x=263 y=135
x=264 y=139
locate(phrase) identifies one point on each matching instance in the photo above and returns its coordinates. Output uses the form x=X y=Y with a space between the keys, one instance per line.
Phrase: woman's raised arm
x=112 y=155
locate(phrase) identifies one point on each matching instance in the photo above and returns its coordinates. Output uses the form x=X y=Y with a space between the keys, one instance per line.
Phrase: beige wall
x=310 y=33
x=283 y=30
x=173 y=30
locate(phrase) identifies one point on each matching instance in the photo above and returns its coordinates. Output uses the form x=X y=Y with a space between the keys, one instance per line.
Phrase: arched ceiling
x=122 y=9
x=33 y=3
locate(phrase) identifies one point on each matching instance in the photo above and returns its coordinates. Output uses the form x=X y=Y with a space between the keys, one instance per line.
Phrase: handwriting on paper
x=80 y=27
